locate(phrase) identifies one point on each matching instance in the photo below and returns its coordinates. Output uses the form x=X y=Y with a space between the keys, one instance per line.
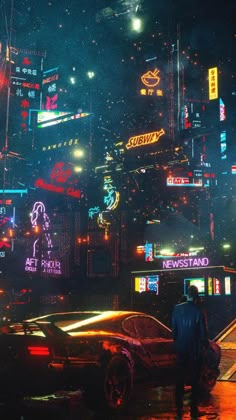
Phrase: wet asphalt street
x=147 y=404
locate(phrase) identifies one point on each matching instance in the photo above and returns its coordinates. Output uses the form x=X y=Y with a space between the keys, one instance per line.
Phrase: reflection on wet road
x=147 y=404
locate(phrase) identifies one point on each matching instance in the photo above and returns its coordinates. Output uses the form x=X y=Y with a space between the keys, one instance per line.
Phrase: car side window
x=129 y=328
x=148 y=327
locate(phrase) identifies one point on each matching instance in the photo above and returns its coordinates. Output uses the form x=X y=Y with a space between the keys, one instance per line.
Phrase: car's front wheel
x=118 y=382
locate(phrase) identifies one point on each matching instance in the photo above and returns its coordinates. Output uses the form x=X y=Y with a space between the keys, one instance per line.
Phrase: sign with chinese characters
x=50 y=89
x=144 y=139
x=41 y=259
x=25 y=83
x=61 y=179
x=183 y=263
x=150 y=83
x=213 y=83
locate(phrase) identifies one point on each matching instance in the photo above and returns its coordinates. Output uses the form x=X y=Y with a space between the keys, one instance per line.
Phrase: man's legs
x=179 y=387
x=196 y=368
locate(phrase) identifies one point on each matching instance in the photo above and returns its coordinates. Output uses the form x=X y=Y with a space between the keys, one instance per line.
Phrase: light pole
x=90 y=75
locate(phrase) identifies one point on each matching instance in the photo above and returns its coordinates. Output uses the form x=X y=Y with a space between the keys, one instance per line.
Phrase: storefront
x=159 y=288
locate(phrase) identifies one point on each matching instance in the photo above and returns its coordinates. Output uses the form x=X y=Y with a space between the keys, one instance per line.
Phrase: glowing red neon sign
x=60 y=174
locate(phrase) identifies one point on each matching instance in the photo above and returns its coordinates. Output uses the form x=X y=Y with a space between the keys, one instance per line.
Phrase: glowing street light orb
x=90 y=74
x=78 y=169
x=78 y=153
x=136 y=24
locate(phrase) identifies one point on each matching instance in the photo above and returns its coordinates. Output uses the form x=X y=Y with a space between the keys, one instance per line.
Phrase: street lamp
x=90 y=74
x=137 y=24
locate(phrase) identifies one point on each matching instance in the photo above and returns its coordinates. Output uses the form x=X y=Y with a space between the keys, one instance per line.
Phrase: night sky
x=96 y=35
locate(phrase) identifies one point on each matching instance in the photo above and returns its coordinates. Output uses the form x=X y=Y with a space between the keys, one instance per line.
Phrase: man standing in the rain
x=190 y=338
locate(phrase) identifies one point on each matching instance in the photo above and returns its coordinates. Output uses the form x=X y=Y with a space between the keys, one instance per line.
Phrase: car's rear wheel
x=118 y=382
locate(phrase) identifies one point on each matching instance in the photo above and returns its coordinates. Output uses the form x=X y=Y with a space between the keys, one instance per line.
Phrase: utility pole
x=9 y=60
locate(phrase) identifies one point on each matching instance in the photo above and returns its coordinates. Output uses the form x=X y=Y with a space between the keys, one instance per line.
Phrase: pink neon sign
x=41 y=259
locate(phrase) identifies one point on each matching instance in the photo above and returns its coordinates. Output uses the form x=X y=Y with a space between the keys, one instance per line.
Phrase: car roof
x=76 y=319
x=62 y=315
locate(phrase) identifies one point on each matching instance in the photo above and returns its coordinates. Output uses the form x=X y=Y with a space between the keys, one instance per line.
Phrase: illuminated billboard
x=198 y=282
x=222 y=108
x=196 y=178
x=213 y=83
x=41 y=258
x=59 y=117
x=193 y=115
x=144 y=139
x=183 y=182
x=147 y=284
x=46 y=252
x=26 y=86
x=50 y=89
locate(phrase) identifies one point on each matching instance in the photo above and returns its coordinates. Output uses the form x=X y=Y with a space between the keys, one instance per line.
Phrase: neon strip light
x=176 y=269
x=72 y=117
x=14 y=192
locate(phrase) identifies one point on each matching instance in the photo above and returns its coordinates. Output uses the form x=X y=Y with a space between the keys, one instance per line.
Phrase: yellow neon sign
x=213 y=83
x=151 y=78
x=144 y=139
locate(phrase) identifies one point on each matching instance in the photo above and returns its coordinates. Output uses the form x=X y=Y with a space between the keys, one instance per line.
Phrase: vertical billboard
x=213 y=83
x=47 y=252
x=50 y=89
x=25 y=85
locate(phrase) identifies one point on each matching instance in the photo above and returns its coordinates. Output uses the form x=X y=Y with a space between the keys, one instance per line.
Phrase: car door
x=157 y=341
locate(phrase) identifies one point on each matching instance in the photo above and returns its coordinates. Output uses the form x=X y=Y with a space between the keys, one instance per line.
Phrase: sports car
x=107 y=353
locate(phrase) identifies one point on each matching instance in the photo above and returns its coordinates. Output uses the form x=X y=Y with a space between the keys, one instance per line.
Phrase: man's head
x=192 y=293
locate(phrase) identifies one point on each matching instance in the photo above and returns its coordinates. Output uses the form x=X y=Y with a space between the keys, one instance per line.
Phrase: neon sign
x=213 y=83
x=60 y=144
x=21 y=192
x=151 y=80
x=93 y=210
x=60 y=173
x=183 y=182
x=41 y=259
x=40 y=183
x=185 y=263
x=112 y=197
x=144 y=139
x=63 y=119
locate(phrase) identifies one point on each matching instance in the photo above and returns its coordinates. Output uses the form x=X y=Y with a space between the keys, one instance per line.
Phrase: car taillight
x=38 y=350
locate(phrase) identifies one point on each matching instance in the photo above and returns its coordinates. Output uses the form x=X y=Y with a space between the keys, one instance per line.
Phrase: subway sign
x=144 y=139
x=174 y=264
